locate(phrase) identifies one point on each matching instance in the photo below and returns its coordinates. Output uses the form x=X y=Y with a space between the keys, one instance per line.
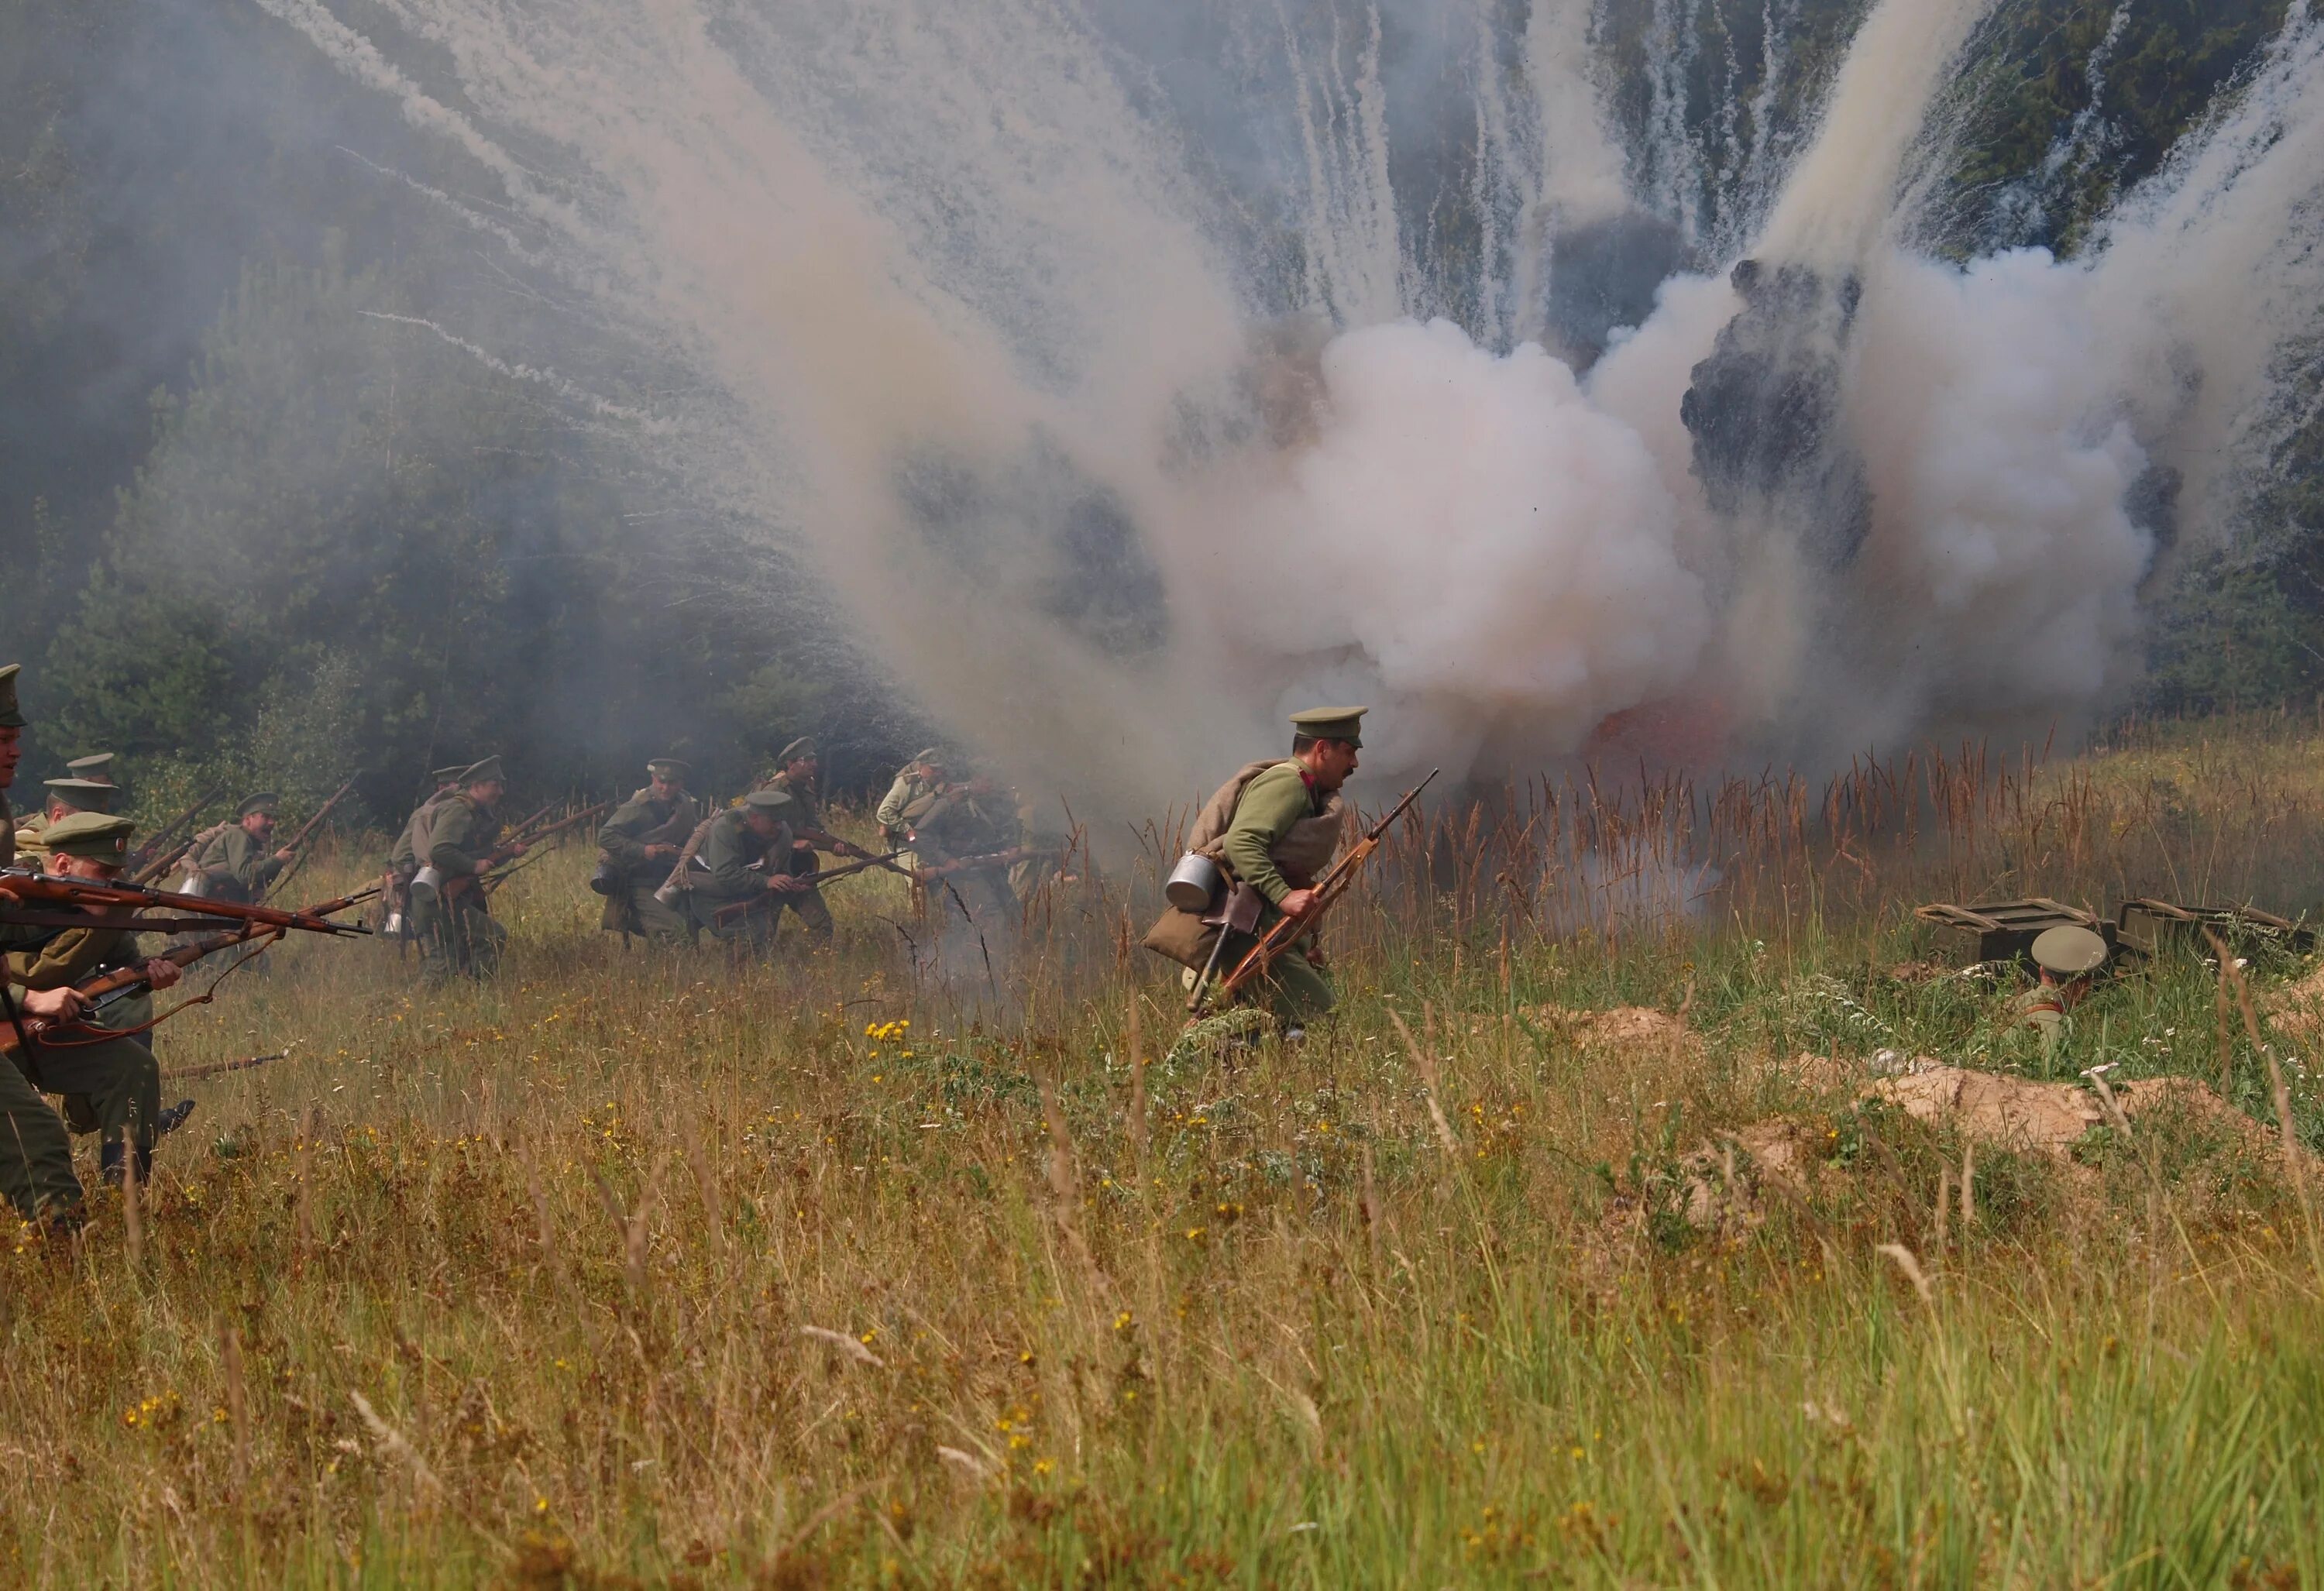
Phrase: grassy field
x=880 y=1265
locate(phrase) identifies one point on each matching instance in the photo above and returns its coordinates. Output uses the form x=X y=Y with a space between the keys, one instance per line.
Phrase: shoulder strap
x=1218 y=812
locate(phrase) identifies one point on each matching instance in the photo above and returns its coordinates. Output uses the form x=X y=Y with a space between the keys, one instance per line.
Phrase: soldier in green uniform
x=1273 y=829
x=638 y=847
x=913 y=780
x=2066 y=960
x=455 y=929
x=798 y=774
x=959 y=818
x=36 y=1171
x=744 y=860
x=112 y=1086
x=403 y=857
x=235 y=863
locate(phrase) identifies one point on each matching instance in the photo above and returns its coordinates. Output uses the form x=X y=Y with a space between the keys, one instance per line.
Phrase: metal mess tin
x=1194 y=883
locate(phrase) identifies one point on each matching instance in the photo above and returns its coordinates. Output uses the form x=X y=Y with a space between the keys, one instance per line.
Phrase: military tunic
x=1268 y=828
x=1271 y=807
x=455 y=927
x=36 y=1172
x=644 y=820
x=807 y=816
x=236 y=865
x=731 y=867
x=36 y=1169
x=958 y=820
x=911 y=785
x=112 y=1086
x=403 y=861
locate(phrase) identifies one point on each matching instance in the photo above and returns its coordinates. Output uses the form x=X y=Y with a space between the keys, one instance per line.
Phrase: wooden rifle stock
x=1287 y=931
x=100 y=990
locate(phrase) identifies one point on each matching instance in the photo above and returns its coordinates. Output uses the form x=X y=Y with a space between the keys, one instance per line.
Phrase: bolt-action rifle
x=824 y=840
x=298 y=842
x=220 y=1068
x=1290 y=928
x=110 y=988
x=493 y=867
x=160 y=866
x=806 y=881
x=164 y=838
x=521 y=830
x=998 y=858
x=46 y=900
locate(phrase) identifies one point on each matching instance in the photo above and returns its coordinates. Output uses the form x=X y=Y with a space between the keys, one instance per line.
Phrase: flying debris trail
x=604 y=407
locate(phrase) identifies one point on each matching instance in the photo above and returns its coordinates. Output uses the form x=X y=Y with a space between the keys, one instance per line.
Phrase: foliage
x=647 y=1270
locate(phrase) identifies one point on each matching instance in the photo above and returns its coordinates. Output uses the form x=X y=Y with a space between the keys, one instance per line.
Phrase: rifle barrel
x=297 y=846
x=33 y=888
x=728 y=913
x=168 y=833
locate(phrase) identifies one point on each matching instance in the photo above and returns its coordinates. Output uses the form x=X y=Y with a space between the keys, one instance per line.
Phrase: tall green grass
x=658 y=1269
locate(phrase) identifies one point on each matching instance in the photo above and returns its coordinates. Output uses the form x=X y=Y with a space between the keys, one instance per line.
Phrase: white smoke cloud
x=2001 y=568
x=1472 y=542
x=883 y=232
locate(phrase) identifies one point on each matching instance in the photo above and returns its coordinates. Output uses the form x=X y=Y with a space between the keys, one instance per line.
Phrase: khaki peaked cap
x=98 y=835
x=82 y=794
x=1331 y=724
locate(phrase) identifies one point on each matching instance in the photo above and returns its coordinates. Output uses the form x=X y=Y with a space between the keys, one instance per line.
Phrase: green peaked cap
x=1332 y=723
x=767 y=800
x=11 y=715
x=82 y=794
x=97 y=767
x=98 y=834
x=265 y=801
x=445 y=775
x=675 y=764
x=487 y=772
x=802 y=747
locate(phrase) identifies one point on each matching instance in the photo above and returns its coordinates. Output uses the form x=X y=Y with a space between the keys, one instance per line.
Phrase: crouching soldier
x=738 y=877
x=2066 y=961
x=636 y=849
x=403 y=860
x=798 y=773
x=455 y=925
x=1272 y=831
x=234 y=862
